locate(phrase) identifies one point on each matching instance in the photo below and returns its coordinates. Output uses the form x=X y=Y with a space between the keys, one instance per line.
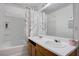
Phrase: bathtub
x=19 y=50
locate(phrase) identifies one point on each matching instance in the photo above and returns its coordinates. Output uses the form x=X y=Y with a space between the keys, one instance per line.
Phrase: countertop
x=68 y=49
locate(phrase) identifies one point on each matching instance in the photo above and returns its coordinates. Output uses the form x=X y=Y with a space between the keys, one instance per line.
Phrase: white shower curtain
x=36 y=22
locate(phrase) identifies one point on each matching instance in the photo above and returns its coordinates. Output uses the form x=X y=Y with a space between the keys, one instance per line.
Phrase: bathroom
x=48 y=26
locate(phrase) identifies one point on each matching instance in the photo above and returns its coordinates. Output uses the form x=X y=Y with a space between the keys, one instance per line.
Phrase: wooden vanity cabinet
x=37 y=50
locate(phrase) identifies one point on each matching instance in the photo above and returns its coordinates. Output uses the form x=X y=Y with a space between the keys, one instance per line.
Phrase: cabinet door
x=29 y=48
x=40 y=51
x=32 y=49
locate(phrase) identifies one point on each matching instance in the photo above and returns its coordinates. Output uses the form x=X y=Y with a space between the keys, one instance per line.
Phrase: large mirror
x=60 y=21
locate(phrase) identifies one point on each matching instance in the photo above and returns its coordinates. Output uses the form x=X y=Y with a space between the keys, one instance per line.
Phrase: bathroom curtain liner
x=36 y=22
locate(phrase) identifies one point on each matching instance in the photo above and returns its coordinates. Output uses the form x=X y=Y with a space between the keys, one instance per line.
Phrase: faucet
x=56 y=40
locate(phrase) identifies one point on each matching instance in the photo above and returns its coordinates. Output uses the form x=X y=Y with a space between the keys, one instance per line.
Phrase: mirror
x=60 y=22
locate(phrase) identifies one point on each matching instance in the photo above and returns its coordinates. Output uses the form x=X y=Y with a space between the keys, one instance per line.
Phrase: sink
x=55 y=44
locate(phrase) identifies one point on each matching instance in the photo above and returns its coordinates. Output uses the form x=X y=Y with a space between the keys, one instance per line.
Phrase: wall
x=15 y=17
x=76 y=21
x=58 y=22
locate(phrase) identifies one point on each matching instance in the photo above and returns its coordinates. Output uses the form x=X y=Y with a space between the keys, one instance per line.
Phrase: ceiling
x=55 y=6
x=36 y=6
x=51 y=8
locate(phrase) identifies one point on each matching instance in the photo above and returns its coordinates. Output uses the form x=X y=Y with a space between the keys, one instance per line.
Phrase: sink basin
x=55 y=44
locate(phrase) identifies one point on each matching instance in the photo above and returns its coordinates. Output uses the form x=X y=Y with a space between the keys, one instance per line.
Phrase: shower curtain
x=36 y=22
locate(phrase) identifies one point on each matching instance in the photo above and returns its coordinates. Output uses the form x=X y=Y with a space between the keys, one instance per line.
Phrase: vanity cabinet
x=37 y=50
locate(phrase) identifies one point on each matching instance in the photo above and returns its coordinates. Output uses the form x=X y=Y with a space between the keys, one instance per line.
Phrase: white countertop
x=59 y=51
